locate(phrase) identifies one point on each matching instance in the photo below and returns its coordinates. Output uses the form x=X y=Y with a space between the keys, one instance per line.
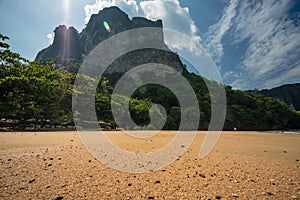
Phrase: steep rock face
x=69 y=48
x=66 y=44
x=95 y=32
x=118 y=21
x=290 y=94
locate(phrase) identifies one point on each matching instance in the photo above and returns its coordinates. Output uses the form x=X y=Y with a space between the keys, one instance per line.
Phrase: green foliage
x=139 y=110
x=289 y=93
x=173 y=118
x=253 y=111
x=31 y=91
x=82 y=95
x=246 y=110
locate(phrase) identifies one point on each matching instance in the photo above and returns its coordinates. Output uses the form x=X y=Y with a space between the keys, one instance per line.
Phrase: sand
x=243 y=165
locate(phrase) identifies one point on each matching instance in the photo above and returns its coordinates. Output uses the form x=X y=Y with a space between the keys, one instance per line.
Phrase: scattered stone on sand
x=32 y=180
x=235 y=195
x=202 y=175
x=215 y=176
x=272 y=181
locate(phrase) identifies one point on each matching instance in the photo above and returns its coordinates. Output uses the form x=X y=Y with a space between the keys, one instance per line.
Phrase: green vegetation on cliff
x=290 y=94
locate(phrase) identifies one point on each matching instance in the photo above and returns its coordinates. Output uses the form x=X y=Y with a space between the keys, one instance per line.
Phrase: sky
x=254 y=43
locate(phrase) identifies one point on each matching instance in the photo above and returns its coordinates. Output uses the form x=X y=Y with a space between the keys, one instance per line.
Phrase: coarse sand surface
x=242 y=165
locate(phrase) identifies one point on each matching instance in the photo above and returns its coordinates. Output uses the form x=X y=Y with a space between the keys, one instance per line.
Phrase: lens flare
x=66 y=39
x=66 y=10
x=106 y=26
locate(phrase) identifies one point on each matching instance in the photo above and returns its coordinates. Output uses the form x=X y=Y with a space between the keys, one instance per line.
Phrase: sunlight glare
x=66 y=7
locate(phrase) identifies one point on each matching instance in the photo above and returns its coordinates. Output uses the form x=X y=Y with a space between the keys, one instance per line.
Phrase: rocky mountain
x=66 y=44
x=290 y=94
x=69 y=47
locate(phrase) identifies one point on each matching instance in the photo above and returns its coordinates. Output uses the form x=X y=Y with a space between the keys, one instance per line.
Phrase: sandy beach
x=242 y=165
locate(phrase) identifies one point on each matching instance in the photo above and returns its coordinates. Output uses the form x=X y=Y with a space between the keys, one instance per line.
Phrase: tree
x=31 y=91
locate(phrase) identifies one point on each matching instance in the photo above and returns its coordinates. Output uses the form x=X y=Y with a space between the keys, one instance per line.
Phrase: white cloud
x=213 y=41
x=170 y=12
x=272 y=56
x=50 y=37
x=272 y=38
x=231 y=73
x=176 y=18
x=128 y=6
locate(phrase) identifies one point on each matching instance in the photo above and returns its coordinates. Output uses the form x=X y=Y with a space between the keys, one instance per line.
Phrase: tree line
x=39 y=94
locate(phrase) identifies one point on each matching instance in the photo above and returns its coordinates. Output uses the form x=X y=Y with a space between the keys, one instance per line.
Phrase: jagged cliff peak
x=66 y=44
x=69 y=45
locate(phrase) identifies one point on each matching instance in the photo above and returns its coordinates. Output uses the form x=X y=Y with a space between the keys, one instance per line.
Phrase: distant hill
x=290 y=94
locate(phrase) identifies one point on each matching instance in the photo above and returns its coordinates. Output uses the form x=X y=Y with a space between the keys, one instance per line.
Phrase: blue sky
x=255 y=43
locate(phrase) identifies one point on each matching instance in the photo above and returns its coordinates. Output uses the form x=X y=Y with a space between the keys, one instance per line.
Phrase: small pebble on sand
x=31 y=181
x=218 y=197
x=235 y=195
x=202 y=175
